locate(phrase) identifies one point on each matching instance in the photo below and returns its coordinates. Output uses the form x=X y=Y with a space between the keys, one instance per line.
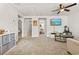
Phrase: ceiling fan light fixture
x=62 y=10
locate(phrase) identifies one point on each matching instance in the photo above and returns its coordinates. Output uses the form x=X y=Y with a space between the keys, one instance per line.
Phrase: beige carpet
x=38 y=46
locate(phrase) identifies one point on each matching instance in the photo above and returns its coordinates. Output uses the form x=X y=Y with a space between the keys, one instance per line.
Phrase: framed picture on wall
x=34 y=22
x=55 y=22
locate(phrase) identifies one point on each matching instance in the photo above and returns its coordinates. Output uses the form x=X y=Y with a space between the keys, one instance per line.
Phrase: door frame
x=19 y=29
x=30 y=20
x=45 y=19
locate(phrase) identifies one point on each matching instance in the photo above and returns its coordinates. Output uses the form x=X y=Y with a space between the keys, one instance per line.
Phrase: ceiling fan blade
x=71 y=5
x=55 y=10
x=66 y=10
x=58 y=12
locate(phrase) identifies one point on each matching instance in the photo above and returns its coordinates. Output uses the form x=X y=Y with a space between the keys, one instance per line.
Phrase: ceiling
x=42 y=9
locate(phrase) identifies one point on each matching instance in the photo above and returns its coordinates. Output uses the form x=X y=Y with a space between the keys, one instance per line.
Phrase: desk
x=58 y=37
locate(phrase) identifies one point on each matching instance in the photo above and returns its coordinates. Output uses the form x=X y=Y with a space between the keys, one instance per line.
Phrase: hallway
x=38 y=46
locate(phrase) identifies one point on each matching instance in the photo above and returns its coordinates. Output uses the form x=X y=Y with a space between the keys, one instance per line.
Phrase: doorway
x=19 y=29
x=42 y=27
x=27 y=27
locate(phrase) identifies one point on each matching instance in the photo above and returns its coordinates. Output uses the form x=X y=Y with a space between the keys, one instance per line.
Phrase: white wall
x=73 y=21
x=50 y=29
x=8 y=18
x=35 y=30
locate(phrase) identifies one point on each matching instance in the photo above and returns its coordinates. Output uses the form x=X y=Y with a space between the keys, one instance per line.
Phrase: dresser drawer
x=11 y=37
x=5 y=39
x=12 y=44
x=5 y=48
x=0 y=40
x=0 y=50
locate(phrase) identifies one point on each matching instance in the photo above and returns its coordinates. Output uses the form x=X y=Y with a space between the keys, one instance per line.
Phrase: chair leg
x=69 y=53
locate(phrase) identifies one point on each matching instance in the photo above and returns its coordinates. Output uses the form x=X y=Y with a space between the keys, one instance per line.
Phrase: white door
x=27 y=27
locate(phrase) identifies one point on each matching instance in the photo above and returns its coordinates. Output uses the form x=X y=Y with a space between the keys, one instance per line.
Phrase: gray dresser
x=7 y=41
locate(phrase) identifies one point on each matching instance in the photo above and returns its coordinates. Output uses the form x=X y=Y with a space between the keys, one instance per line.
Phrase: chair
x=62 y=36
x=67 y=33
x=58 y=36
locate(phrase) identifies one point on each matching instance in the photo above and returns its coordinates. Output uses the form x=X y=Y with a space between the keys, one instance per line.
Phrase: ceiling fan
x=64 y=8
